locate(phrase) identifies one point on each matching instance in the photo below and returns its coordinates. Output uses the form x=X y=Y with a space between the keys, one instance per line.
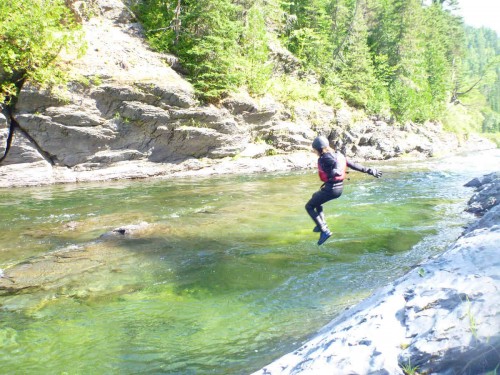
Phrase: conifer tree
x=204 y=34
x=409 y=90
x=255 y=65
x=399 y=56
x=443 y=47
x=307 y=37
x=355 y=66
x=208 y=46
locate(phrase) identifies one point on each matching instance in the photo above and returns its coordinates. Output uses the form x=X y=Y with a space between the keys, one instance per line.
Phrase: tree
x=355 y=67
x=398 y=57
x=32 y=34
x=444 y=46
x=204 y=34
x=307 y=36
x=255 y=65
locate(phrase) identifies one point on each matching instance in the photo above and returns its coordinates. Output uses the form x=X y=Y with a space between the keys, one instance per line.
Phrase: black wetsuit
x=330 y=189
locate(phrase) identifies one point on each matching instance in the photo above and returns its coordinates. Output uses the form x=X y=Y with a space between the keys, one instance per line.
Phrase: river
x=224 y=276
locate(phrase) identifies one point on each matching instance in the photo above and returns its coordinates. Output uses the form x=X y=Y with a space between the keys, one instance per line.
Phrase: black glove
x=374 y=172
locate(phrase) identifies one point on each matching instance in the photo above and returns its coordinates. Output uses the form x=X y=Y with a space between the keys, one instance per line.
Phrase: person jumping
x=332 y=169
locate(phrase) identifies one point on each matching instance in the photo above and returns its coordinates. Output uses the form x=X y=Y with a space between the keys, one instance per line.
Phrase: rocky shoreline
x=443 y=317
x=41 y=172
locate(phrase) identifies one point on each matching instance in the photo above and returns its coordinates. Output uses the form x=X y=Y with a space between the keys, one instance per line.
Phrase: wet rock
x=49 y=270
x=126 y=231
x=487 y=193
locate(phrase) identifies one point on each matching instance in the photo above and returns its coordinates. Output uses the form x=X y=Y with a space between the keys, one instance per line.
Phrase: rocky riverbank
x=127 y=113
x=443 y=317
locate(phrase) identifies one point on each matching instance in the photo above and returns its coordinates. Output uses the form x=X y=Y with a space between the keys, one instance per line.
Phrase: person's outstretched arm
x=358 y=167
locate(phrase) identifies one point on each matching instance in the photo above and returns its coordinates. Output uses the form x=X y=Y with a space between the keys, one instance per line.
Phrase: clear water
x=225 y=277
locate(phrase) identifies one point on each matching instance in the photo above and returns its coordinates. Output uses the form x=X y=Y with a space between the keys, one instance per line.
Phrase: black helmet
x=320 y=142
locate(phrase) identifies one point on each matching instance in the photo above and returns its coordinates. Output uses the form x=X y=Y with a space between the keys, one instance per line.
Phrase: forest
x=405 y=60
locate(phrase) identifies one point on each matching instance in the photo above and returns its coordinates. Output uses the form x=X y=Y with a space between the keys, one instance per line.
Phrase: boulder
x=56 y=269
x=22 y=149
x=289 y=136
x=126 y=231
x=487 y=194
x=240 y=103
x=35 y=100
x=67 y=145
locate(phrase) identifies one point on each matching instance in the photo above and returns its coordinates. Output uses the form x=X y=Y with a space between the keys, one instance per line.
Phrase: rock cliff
x=127 y=114
x=441 y=318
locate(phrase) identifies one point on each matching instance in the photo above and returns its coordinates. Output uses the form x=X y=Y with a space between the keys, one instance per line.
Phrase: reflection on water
x=224 y=277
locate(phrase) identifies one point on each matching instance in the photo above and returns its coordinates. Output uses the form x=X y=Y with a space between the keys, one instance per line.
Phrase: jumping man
x=332 y=168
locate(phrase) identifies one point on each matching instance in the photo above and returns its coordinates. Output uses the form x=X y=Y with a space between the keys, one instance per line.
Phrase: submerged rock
x=125 y=231
x=56 y=268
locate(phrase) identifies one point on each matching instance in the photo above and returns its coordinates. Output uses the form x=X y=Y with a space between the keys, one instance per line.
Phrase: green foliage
x=464 y=120
x=307 y=36
x=255 y=66
x=357 y=71
x=408 y=369
x=493 y=137
x=440 y=51
x=478 y=84
x=32 y=34
x=289 y=89
x=204 y=35
x=491 y=122
x=400 y=58
x=208 y=46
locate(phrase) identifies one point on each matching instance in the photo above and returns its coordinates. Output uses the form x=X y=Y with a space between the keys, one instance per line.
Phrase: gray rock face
x=22 y=150
x=442 y=318
x=487 y=194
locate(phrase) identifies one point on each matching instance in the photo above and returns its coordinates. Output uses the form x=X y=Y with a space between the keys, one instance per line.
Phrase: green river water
x=225 y=277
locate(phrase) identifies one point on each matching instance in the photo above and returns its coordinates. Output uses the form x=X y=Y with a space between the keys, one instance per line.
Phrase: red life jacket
x=339 y=172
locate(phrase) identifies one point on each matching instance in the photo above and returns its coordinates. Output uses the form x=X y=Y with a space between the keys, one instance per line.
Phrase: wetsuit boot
x=325 y=232
x=317 y=228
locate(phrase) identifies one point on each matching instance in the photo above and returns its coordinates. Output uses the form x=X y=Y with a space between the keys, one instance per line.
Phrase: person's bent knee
x=309 y=207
